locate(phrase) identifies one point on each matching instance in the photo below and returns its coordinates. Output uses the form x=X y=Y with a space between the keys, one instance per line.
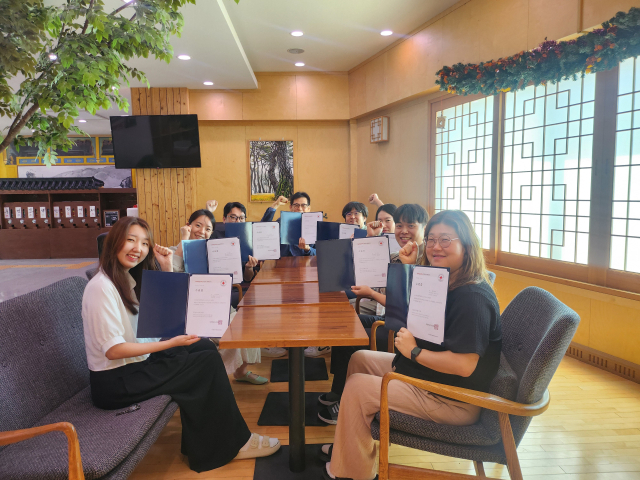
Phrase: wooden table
x=295 y=327
x=286 y=275
x=289 y=294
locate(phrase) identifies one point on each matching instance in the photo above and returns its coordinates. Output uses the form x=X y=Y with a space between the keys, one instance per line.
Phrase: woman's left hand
x=164 y=257
x=405 y=342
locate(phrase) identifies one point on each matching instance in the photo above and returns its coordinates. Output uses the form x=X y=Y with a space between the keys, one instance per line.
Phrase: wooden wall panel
x=166 y=197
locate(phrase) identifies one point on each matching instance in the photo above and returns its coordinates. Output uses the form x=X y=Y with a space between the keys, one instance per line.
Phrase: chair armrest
x=481 y=399
x=75 y=461
x=239 y=287
x=374 y=328
x=357 y=308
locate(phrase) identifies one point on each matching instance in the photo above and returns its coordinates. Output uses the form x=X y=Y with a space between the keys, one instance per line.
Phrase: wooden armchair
x=536 y=332
x=239 y=288
x=75 y=462
x=379 y=323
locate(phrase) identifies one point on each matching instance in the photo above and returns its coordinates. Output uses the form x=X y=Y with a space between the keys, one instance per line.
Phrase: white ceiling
x=228 y=42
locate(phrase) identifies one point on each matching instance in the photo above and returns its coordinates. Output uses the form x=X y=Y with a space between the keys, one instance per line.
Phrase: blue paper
x=163 y=304
x=290 y=228
x=194 y=253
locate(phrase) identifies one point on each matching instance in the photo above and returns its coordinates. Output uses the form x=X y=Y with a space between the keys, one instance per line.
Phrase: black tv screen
x=156 y=141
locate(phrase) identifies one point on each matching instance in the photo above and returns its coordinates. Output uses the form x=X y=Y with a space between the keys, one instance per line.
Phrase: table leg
x=296 y=409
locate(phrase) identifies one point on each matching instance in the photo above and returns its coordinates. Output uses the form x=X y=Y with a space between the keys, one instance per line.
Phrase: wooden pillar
x=166 y=196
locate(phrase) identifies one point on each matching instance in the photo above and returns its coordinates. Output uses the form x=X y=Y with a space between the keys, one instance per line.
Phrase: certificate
x=309 y=228
x=371 y=260
x=266 y=240
x=346 y=230
x=223 y=256
x=427 y=302
x=394 y=246
x=208 y=305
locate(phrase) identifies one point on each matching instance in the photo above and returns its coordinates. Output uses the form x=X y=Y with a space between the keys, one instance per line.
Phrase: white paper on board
x=208 y=305
x=223 y=255
x=427 y=303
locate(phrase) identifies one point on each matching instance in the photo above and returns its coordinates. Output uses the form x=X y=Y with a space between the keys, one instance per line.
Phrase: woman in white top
x=125 y=370
x=236 y=360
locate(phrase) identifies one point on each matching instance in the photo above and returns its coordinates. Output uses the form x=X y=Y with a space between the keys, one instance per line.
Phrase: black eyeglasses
x=235 y=218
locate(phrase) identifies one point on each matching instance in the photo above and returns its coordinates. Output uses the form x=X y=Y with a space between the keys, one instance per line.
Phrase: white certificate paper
x=427 y=303
x=346 y=230
x=371 y=260
x=266 y=240
x=309 y=230
x=394 y=246
x=208 y=305
x=223 y=255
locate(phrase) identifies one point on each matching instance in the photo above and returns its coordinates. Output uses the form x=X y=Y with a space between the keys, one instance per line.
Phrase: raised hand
x=279 y=202
x=405 y=342
x=302 y=245
x=252 y=262
x=183 y=340
x=374 y=229
x=362 y=291
x=164 y=257
x=212 y=205
x=375 y=200
x=409 y=253
x=185 y=232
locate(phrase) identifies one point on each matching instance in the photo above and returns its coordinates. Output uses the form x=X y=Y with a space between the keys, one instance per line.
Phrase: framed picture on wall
x=271 y=169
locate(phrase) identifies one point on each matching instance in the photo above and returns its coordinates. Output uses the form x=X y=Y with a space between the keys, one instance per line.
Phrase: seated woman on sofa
x=236 y=360
x=468 y=358
x=126 y=370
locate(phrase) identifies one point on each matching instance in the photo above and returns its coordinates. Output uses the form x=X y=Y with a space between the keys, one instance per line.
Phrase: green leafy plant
x=73 y=57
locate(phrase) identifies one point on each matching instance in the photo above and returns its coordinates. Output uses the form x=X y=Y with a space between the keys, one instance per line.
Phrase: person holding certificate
x=410 y=221
x=236 y=361
x=469 y=356
x=125 y=370
x=384 y=222
x=355 y=213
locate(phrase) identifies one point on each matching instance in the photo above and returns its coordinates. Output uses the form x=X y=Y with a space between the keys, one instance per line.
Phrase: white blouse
x=107 y=322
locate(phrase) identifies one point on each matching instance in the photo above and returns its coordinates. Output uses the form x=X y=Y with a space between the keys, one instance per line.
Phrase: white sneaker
x=316 y=351
x=274 y=352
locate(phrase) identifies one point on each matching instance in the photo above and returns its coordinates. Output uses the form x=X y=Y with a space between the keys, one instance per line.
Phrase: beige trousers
x=354 y=450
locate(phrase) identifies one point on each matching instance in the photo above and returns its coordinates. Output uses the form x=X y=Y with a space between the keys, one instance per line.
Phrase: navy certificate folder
x=244 y=232
x=290 y=228
x=399 y=278
x=194 y=253
x=163 y=304
x=335 y=265
x=360 y=233
x=328 y=231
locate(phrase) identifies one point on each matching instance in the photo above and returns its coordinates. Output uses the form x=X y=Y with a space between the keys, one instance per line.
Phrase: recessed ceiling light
x=295 y=51
x=82 y=121
x=297 y=33
x=299 y=64
x=386 y=33
x=53 y=57
x=208 y=83
x=184 y=57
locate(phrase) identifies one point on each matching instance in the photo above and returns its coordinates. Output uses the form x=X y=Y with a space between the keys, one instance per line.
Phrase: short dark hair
x=389 y=208
x=360 y=207
x=231 y=205
x=199 y=213
x=298 y=195
x=411 y=213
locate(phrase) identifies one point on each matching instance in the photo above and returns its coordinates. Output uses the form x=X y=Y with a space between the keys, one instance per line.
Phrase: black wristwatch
x=414 y=353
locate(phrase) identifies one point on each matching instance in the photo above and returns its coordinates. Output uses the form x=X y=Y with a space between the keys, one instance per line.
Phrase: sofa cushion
x=484 y=432
x=42 y=357
x=106 y=439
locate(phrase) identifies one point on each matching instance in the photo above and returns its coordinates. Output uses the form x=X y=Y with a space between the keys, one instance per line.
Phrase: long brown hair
x=473 y=269
x=112 y=267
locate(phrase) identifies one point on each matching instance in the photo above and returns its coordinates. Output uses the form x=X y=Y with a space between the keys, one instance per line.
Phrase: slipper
x=325 y=457
x=255 y=380
x=258 y=446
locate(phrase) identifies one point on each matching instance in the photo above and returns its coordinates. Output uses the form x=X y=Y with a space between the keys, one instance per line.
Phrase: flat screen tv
x=156 y=141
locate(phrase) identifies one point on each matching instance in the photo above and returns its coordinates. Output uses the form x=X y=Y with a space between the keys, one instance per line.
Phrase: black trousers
x=340 y=356
x=213 y=430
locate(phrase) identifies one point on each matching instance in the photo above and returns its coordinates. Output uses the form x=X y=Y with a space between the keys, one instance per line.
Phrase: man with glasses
x=300 y=202
x=355 y=213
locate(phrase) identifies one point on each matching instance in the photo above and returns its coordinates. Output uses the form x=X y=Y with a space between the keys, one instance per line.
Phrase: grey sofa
x=44 y=379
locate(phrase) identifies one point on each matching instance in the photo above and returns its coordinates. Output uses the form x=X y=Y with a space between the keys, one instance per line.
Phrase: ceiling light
x=208 y=83
x=299 y=64
x=82 y=121
x=184 y=57
x=297 y=33
x=386 y=33
x=53 y=57
x=295 y=51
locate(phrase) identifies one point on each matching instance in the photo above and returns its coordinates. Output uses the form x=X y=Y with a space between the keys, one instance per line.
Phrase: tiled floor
x=22 y=276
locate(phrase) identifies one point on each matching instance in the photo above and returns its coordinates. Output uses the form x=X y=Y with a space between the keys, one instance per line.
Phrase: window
x=546 y=170
x=625 y=222
x=463 y=158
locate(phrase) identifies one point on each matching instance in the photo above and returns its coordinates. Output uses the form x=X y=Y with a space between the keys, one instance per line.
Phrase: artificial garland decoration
x=600 y=49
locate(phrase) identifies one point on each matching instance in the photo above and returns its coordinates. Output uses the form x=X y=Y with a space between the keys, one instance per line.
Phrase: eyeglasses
x=235 y=218
x=299 y=205
x=352 y=214
x=444 y=241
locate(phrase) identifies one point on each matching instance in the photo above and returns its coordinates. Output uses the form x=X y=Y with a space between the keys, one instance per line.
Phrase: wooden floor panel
x=590 y=432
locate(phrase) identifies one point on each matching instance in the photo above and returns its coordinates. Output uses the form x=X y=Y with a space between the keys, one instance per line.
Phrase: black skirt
x=213 y=430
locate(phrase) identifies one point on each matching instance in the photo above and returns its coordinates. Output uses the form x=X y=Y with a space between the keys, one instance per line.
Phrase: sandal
x=252 y=378
x=325 y=457
x=258 y=446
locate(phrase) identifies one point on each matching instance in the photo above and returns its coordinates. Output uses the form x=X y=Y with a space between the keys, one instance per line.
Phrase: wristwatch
x=414 y=353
